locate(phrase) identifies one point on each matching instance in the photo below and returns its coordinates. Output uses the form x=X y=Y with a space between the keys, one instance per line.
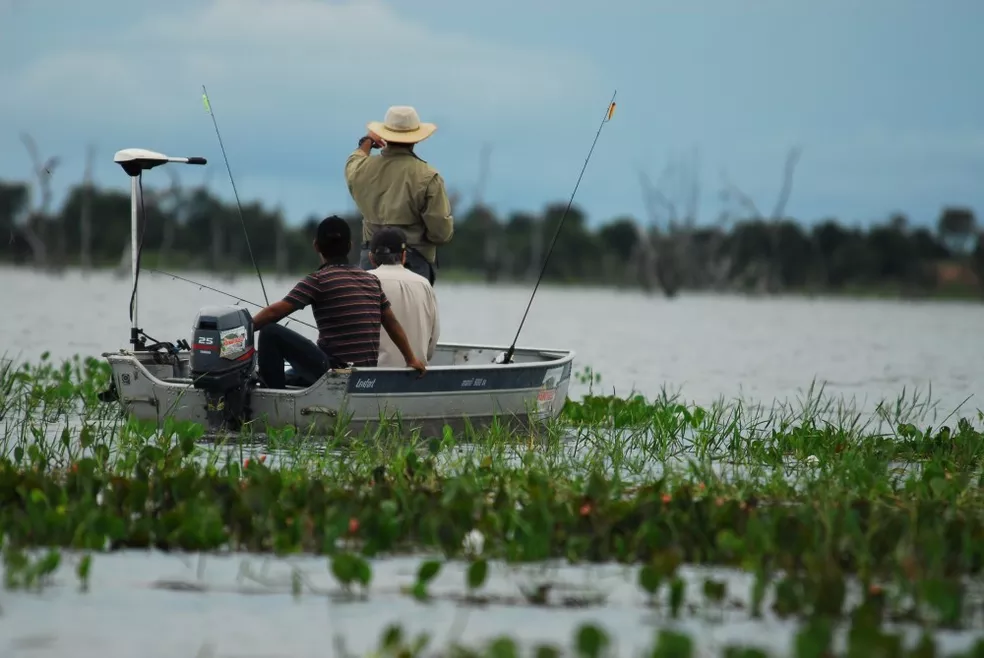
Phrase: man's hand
x=377 y=141
x=371 y=141
x=418 y=366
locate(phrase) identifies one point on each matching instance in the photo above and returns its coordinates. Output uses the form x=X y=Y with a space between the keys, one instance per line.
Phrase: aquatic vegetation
x=590 y=641
x=837 y=520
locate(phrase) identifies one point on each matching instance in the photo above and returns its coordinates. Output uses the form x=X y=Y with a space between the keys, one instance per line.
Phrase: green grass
x=838 y=518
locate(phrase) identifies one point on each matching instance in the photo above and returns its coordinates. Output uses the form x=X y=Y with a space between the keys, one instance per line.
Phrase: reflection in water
x=151 y=604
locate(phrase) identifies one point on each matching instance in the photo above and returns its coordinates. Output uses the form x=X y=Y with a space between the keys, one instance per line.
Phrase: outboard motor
x=223 y=359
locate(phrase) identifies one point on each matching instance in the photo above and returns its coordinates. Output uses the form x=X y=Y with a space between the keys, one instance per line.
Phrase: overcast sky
x=885 y=97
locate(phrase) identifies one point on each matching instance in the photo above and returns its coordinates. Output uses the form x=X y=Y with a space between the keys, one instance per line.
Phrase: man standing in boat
x=349 y=308
x=397 y=188
x=411 y=297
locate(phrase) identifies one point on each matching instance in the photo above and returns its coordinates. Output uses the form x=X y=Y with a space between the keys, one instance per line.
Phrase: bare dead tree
x=688 y=265
x=34 y=227
x=217 y=244
x=643 y=261
x=682 y=261
x=281 y=254
x=537 y=245
x=738 y=204
x=792 y=159
x=768 y=278
x=732 y=195
x=492 y=229
x=663 y=257
x=484 y=157
x=218 y=240
x=645 y=254
x=654 y=196
x=733 y=192
x=85 y=212
x=454 y=202
x=175 y=202
x=693 y=201
x=719 y=262
x=708 y=267
x=123 y=266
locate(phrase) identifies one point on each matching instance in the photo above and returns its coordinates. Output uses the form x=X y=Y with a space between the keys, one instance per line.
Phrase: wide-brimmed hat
x=402 y=125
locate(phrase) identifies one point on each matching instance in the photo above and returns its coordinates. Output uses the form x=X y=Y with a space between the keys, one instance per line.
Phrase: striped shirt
x=348 y=303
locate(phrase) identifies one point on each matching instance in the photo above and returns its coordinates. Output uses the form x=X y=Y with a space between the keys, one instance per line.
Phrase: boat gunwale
x=563 y=357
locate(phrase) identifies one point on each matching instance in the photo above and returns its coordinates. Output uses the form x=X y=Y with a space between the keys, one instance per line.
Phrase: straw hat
x=402 y=125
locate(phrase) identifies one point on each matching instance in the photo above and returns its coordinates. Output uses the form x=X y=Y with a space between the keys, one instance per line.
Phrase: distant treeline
x=190 y=228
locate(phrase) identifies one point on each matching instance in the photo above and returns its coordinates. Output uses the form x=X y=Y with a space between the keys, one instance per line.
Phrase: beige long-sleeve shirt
x=414 y=304
x=397 y=188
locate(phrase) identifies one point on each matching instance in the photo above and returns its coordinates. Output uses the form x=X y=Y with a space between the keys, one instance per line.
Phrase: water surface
x=705 y=347
x=243 y=606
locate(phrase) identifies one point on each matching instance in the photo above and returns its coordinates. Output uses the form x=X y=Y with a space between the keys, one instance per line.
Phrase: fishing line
x=223 y=292
x=208 y=108
x=609 y=111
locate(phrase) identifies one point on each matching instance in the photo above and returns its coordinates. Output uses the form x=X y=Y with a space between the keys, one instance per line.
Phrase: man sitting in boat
x=397 y=188
x=410 y=295
x=349 y=307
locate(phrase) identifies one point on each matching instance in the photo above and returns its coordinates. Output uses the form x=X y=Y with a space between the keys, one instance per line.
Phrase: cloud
x=301 y=60
x=292 y=83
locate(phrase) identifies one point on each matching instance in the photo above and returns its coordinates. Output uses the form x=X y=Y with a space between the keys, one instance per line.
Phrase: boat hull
x=461 y=389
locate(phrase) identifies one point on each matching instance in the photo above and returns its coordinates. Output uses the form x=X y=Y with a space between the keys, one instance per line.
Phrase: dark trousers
x=278 y=344
x=415 y=263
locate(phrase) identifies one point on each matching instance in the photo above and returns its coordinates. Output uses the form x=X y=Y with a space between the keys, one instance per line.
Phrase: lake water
x=156 y=605
x=705 y=347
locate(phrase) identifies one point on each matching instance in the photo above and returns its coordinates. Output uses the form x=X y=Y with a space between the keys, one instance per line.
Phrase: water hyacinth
x=834 y=518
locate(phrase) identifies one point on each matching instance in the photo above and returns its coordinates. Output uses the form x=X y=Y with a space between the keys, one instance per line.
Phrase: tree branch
x=35 y=235
x=733 y=193
x=651 y=194
x=792 y=157
x=693 y=202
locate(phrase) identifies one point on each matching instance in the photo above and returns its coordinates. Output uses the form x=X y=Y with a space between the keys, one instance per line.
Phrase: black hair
x=388 y=259
x=334 y=237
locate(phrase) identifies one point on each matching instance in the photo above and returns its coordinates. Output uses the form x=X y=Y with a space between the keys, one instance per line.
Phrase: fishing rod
x=609 y=111
x=221 y=292
x=242 y=220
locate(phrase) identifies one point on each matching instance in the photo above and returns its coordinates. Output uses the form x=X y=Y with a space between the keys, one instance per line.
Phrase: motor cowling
x=223 y=360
